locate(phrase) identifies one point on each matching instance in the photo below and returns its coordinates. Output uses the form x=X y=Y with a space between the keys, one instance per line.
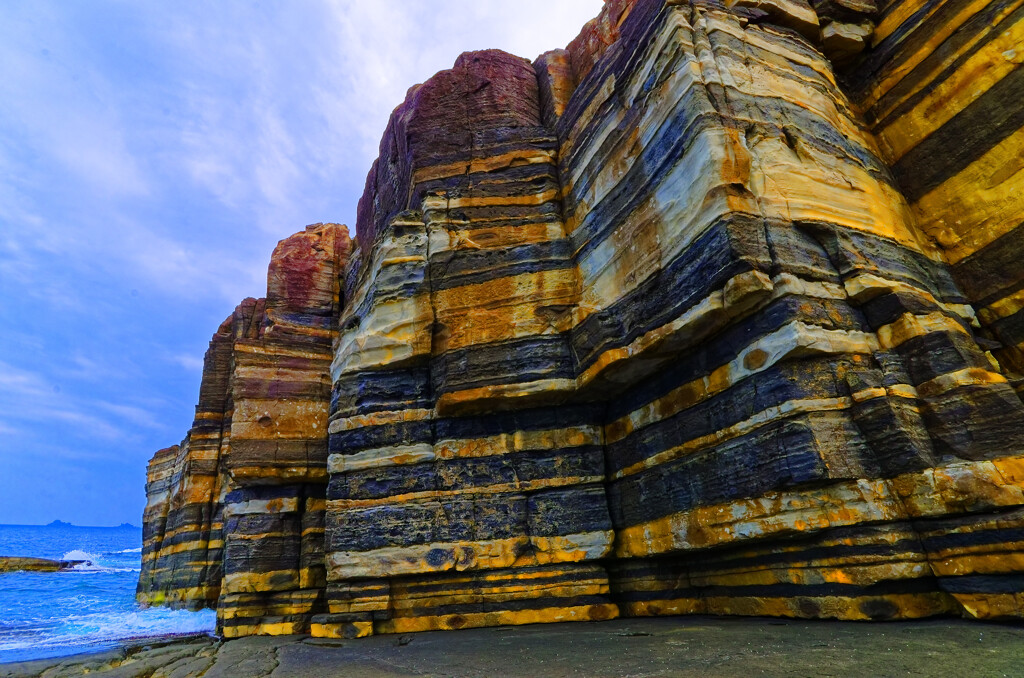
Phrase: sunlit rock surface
x=716 y=310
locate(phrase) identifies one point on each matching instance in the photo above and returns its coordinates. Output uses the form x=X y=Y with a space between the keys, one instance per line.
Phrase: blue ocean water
x=87 y=609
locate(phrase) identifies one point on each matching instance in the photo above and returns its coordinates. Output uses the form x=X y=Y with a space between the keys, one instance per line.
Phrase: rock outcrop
x=23 y=564
x=235 y=513
x=714 y=311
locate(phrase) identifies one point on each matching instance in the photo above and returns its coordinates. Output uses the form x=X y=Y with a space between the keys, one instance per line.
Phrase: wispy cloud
x=88 y=425
x=87 y=140
x=17 y=383
x=7 y=430
x=132 y=414
x=35 y=399
x=190 y=362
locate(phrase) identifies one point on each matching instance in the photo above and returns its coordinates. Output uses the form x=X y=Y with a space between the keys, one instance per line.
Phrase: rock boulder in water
x=718 y=310
x=18 y=564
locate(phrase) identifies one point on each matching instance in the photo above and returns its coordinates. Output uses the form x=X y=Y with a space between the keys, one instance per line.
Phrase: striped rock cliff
x=235 y=514
x=713 y=311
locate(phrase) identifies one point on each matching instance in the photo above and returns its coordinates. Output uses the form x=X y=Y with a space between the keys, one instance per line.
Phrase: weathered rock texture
x=718 y=310
x=235 y=513
x=22 y=564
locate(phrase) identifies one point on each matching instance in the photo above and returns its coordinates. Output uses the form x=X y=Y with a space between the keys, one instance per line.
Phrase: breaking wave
x=87 y=608
x=88 y=631
x=78 y=554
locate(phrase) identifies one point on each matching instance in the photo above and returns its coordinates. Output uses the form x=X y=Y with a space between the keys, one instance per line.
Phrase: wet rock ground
x=677 y=646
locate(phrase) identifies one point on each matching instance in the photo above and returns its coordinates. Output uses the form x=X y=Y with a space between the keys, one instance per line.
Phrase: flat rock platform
x=668 y=646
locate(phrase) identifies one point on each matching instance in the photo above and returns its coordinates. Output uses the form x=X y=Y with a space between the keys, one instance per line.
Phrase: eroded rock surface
x=22 y=564
x=235 y=513
x=705 y=313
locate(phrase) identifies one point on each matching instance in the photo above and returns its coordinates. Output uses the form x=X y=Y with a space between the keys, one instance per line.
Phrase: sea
x=85 y=609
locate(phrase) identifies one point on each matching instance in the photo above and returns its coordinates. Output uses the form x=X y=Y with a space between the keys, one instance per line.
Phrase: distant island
x=122 y=526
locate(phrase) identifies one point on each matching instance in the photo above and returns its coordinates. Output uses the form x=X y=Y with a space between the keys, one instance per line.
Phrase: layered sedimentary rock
x=941 y=91
x=703 y=313
x=445 y=471
x=235 y=513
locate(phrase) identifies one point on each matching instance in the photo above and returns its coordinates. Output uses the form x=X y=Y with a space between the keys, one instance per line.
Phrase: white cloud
x=132 y=413
x=87 y=425
x=33 y=397
x=55 y=102
x=17 y=383
x=190 y=362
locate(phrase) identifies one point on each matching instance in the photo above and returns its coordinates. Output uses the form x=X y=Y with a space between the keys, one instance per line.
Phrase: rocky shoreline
x=677 y=646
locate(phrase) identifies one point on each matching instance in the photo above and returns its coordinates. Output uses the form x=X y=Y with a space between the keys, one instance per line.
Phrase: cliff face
x=706 y=312
x=235 y=513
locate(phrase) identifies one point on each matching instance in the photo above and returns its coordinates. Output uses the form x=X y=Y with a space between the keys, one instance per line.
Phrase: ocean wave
x=93 y=562
x=79 y=554
x=92 y=567
x=110 y=627
x=87 y=608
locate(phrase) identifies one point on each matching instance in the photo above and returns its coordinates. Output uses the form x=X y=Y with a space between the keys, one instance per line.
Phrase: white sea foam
x=110 y=627
x=84 y=609
x=93 y=562
x=92 y=567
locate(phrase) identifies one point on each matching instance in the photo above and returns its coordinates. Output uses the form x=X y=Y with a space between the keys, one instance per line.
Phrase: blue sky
x=151 y=155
